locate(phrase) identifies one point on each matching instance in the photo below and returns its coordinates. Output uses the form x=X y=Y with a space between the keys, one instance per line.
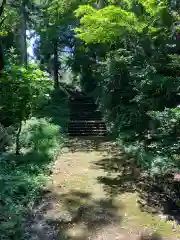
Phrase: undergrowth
x=23 y=176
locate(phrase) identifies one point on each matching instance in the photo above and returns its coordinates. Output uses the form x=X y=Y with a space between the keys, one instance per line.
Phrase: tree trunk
x=18 y=138
x=56 y=65
x=1 y=57
x=1 y=45
x=2 y=7
x=23 y=41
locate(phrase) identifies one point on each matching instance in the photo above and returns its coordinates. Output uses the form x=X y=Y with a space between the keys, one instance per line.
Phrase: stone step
x=83 y=105
x=86 y=130
x=82 y=109
x=95 y=115
x=75 y=134
x=85 y=118
x=82 y=125
x=87 y=113
x=96 y=131
x=76 y=97
x=82 y=118
x=82 y=101
x=90 y=123
x=92 y=110
x=87 y=121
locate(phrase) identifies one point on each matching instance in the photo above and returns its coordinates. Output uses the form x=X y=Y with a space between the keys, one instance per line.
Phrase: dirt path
x=90 y=197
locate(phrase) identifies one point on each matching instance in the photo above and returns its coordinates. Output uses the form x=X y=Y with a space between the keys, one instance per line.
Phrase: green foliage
x=169 y=121
x=112 y=22
x=21 y=92
x=124 y=53
x=105 y=25
x=41 y=136
x=8 y=20
x=167 y=132
x=57 y=109
x=31 y=115
x=25 y=93
x=137 y=76
x=23 y=176
x=55 y=26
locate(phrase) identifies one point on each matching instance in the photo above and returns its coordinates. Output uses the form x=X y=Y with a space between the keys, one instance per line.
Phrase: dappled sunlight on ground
x=96 y=192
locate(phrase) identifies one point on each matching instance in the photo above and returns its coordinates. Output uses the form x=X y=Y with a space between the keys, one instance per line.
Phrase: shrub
x=156 y=151
x=22 y=176
x=22 y=91
x=41 y=136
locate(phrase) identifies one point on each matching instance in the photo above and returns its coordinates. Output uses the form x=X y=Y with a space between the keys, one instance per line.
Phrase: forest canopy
x=123 y=53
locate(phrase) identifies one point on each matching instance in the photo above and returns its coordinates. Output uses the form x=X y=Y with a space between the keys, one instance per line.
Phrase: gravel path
x=77 y=206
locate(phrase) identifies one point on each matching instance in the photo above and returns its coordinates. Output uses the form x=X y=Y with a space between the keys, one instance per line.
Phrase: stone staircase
x=85 y=118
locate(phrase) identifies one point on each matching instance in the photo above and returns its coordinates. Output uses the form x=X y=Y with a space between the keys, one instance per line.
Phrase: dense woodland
x=123 y=53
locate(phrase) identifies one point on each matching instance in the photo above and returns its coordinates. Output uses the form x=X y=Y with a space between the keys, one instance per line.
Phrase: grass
x=19 y=187
x=135 y=218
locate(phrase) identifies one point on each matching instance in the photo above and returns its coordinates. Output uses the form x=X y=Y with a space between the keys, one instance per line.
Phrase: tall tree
x=23 y=29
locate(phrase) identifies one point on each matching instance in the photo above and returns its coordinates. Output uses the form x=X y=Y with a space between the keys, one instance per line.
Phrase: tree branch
x=2 y=7
x=2 y=21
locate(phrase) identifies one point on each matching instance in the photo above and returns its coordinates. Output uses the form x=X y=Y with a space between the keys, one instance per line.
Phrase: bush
x=41 y=136
x=22 y=176
x=157 y=149
x=168 y=121
x=57 y=109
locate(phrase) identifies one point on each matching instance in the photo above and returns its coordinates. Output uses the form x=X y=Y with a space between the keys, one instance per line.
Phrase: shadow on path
x=65 y=212
x=152 y=237
x=72 y=215
x=89 y=144
x=158 y=194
